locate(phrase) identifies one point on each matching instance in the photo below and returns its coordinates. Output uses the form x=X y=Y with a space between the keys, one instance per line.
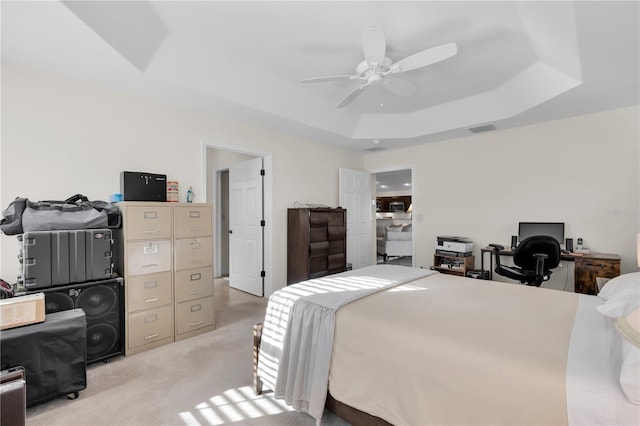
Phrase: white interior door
x=245 y=228
x=356 y=196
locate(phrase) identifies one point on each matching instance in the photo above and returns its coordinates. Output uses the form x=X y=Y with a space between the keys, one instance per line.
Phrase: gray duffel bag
x=76 y=212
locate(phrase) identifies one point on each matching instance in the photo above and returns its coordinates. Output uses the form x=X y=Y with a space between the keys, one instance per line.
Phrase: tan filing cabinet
x=165 y=257
x=145 y=261
x=193 y=269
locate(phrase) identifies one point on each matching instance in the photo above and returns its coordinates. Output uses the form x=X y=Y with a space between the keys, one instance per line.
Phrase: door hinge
x=263 y=274
x=263 y=223
x=262 y=172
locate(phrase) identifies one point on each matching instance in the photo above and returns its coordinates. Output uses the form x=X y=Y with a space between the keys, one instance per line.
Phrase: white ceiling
x=394 y=181
x=518 y=63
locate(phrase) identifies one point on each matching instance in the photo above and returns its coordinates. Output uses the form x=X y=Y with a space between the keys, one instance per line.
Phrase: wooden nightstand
x=590 y=266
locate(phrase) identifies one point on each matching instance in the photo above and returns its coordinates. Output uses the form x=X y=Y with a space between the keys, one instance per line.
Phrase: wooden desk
x=587 y=268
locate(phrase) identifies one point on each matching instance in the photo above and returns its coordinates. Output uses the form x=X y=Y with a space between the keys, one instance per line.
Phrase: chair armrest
x=540 y=257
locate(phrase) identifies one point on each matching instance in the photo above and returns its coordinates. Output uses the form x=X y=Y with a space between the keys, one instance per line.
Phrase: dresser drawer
x=192 y=221
x=194 y=315
x=150 y=326
x=148 y=291
x=193 y=253
x=150 y=222
x=147 y=257
x=194 y=284
x=604 y=268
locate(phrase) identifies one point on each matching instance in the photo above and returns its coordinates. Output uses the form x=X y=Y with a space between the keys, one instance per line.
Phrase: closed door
x=245 y=229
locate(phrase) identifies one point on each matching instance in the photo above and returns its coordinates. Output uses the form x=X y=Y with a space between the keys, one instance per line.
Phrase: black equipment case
x=55 y=258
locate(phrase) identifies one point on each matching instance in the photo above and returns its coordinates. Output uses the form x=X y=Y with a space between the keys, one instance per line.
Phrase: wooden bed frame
x=351 y=415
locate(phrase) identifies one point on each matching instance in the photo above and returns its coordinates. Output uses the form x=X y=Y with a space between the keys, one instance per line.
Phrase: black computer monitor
x=552 y=229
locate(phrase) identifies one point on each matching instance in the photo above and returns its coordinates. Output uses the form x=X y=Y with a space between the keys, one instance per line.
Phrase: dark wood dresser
x=316 y=243
x=588 y=267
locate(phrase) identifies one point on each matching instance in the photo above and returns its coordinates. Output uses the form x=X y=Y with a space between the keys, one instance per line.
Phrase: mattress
x=443 y=350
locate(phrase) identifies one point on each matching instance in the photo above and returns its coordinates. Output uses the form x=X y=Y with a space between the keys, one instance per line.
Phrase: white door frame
x=268 y=204
x=413 y=216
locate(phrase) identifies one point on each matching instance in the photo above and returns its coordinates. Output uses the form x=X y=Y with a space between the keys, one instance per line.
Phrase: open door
x=246 y=226
x=356 y=196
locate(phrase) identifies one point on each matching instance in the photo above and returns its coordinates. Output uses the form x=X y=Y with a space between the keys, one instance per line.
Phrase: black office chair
x=534 y=258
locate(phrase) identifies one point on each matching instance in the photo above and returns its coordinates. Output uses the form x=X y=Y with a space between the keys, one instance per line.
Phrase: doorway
x=394 y=217
x=218 y=159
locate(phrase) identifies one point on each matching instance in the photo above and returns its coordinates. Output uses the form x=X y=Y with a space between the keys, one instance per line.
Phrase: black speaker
x=103 y=305
x=568 y=245
x=514 y=242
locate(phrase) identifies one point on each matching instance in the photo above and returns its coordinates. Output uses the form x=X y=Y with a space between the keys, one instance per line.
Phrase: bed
x=399 y=345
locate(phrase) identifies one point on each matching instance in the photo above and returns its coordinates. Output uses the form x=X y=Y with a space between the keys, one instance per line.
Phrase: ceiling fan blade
x=329 y=78
x=352 y=95
x=374 y=45
x=399 y=86
x=426 y=57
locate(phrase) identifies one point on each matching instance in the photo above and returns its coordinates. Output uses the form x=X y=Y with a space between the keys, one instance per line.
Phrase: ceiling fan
x=377 y=69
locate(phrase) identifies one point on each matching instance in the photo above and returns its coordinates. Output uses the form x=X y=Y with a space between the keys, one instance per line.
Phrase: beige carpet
x=205 y=380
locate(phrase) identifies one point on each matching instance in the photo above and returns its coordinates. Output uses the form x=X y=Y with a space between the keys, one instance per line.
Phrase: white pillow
x=394 y=228
x=621 y=295
x=621 y=285
x=629 y=328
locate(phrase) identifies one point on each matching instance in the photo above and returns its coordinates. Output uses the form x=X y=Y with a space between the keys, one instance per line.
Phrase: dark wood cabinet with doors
x=589 y=267
x=316 y=243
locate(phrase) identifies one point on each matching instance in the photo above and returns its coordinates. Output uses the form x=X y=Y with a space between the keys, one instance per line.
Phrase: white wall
x=583 y=171
x=61 y=137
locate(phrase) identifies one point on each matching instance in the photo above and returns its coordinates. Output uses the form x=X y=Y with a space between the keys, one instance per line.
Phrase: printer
x=454 y=246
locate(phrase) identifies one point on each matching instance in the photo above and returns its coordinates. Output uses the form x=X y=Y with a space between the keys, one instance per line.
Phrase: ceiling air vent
x=483 y=128
x=374 y=149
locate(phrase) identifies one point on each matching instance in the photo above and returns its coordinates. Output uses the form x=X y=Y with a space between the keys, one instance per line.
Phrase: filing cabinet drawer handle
x=151 y=284
x=194 y=214
x=150 y=231
x=196 y=308
x=151 y=336
x=155 y=299
x=195 y=291
x=193 y=324
x=196 y=277
x=195 y=228
x=150 y=215
x=149 y=265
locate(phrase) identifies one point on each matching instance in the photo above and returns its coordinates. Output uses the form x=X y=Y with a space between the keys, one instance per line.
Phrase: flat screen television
x=552 y=229
x=396 y=206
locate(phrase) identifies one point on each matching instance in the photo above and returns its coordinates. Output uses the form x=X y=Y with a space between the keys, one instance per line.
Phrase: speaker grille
x=102 y=303
x=97 y=301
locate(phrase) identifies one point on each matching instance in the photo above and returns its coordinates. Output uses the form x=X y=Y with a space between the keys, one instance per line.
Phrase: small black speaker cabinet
x=514 y=242
x=568 y=245
x=103 y=305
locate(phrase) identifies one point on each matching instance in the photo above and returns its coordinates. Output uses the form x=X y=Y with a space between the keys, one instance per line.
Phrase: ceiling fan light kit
x=376 y=69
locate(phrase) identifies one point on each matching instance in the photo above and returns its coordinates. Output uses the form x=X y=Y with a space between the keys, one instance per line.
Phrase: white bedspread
x=297 y=338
